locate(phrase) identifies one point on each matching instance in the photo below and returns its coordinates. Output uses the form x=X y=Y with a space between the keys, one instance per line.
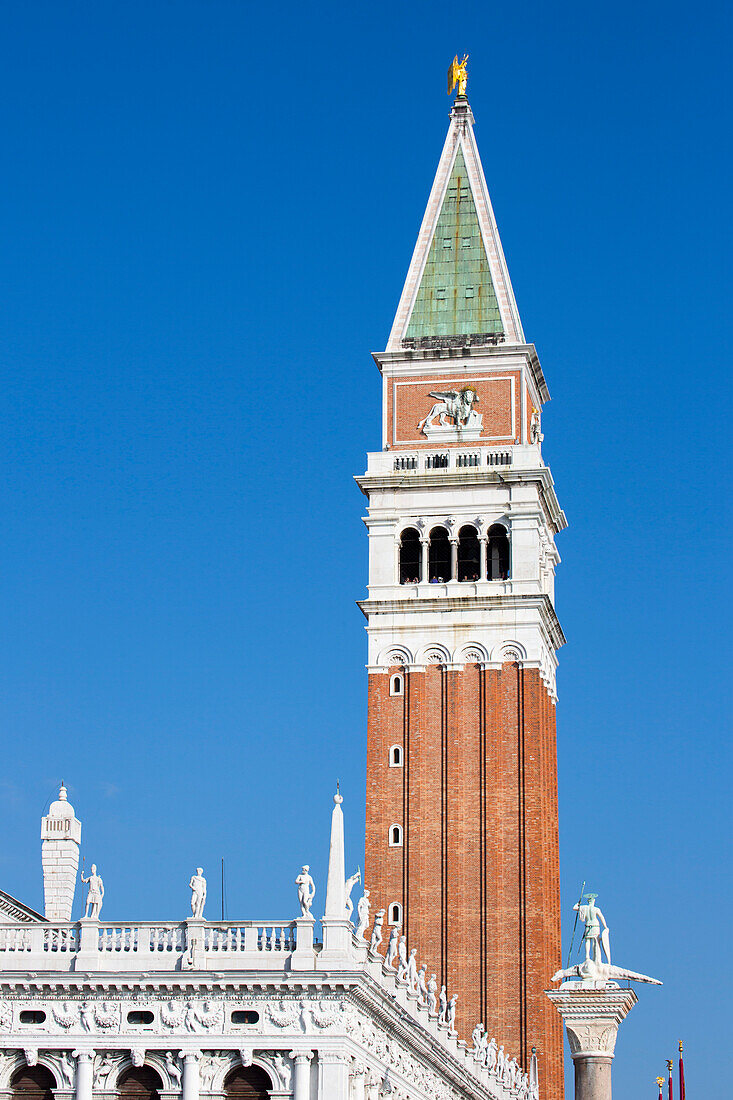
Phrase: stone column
x=190 y=1077
x=424 y=547
x=333 y=1077
x=84 y=1073
x=301 y=1074
x=482 y=550
x=592 y=1017
x=454 y=558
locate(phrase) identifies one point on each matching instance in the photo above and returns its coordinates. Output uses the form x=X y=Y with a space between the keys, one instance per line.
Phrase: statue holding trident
x=593 y=937
x=457 y=75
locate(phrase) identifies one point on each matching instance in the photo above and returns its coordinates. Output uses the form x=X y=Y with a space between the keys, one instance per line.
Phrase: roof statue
x=457 y=74
x=593 y=972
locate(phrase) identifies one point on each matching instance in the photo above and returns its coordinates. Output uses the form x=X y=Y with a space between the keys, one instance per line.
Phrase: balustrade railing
x=450 y=459
x=165 y=941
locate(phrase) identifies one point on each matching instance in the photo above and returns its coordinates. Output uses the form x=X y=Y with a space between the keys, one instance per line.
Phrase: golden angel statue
x=457 y=74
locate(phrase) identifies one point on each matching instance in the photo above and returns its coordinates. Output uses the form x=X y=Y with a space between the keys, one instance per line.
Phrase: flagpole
x=682 y=1074
x=670 y=1092
x=660 y=1082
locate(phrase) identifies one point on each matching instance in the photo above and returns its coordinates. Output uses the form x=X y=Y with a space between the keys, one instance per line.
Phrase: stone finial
x=60 y=842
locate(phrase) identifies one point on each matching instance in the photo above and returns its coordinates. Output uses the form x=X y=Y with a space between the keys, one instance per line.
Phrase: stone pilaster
x=592 y=1017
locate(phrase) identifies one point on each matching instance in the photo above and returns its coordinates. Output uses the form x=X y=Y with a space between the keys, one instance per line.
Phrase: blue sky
x=208 y=209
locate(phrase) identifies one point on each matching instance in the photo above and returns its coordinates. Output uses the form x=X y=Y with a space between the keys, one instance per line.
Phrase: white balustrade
x=160 y=945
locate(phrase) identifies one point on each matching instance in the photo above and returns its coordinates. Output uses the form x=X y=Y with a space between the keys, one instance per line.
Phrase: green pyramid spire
x=456 y=295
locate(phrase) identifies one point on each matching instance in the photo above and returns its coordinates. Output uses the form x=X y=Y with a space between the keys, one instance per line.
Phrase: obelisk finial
x=457 y=74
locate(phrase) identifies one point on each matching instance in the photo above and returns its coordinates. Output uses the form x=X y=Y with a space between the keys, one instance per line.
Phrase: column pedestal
x=592 y=1017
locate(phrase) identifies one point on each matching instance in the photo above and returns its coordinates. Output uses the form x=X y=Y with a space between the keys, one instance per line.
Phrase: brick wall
x=478 y=872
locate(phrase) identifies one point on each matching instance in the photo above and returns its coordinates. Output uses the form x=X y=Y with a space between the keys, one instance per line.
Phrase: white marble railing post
x=301 y=1074
x=454 y=558
x=333 y=1077
x=84 y=1073
x=191 y=1078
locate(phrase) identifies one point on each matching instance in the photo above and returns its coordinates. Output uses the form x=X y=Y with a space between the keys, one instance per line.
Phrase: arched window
x=141 y=1083
x=395 y=913
x=395 y=836
x=32 y=1083
x=469 y=554
x=396 y=684
x=410 y=556
x=497 y=554
x=247 y=1083
x=439 y=555
x=395 y=756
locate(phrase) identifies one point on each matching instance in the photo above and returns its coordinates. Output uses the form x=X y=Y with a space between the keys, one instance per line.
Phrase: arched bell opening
x=410 y=556
x=439 y=556
x=247 y=1083
x=497 y=555
x=469 y=554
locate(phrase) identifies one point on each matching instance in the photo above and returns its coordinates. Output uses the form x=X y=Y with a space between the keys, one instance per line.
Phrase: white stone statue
x=173 y=1068
x=393 y=945
x=197 y=886
x=432 y=995
x=442 y=1004
x=476 y=1036
x=362 y=914
x=593 y=972
x=306 y=890
x=95 y=894
x=66 y=1065
x=376 y=932
x=450 y=1015
x=535 y=429
x=491 y=1054
x=499 y=1064
x=402 y=959
x=593 y=938
x=412 y=970
x=456 y=405
x=350 y=884
x=422 y=989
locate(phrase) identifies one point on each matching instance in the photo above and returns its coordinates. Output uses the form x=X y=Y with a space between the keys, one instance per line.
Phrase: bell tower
x=462 y=826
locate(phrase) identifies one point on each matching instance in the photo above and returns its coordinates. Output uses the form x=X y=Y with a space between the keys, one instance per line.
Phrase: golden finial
x=457 y=75
x=680 y=1046
x=670 y=1064
x=660 y=1081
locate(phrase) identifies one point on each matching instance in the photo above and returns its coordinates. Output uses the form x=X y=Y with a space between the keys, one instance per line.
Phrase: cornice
x=415 y=360
x=541 y=603
x=469 y=477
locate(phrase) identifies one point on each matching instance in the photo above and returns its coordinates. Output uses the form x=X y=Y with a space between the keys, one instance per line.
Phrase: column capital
x=190 y=1056
x=301 y=1056
x=83 y=1055
x=592 y=1018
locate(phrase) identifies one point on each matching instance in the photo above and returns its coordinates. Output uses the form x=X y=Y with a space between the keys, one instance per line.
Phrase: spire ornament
x=457 y=74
